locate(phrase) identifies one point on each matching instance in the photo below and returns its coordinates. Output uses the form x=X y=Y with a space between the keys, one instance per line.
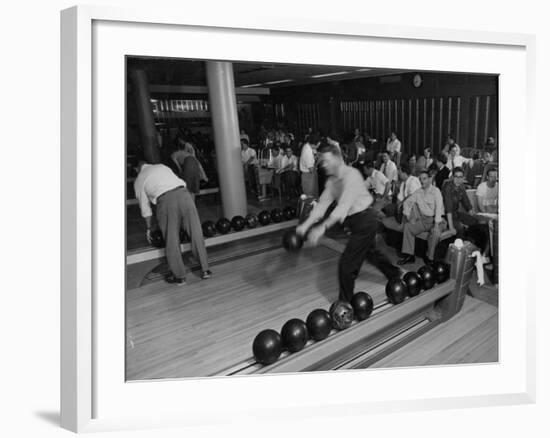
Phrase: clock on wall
x=417 y=80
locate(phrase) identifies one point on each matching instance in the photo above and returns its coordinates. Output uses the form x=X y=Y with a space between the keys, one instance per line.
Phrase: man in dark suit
x=443 y=171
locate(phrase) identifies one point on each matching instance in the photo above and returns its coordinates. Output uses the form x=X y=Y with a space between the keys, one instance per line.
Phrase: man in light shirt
x=156 y=184
x=289 y=172
x=345 y=186
x=423 y=210
x=456 y=160
x=409 y=183
x=274 y=163
x=307 y=167
x=487 y=193
x=377 y=184
x=251 y=166
x=393 y=146
x=389 y=169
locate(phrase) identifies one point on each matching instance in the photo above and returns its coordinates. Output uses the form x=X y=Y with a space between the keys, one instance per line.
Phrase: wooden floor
x=208 y=326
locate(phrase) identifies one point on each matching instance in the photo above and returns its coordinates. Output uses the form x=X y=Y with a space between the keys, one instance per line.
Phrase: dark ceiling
x=163 y=71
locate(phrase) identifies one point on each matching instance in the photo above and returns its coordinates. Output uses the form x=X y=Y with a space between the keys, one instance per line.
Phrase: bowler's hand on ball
x=315 y=235
x=301 y=230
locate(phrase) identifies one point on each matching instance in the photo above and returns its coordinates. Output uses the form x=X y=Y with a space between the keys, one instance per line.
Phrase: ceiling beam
x=190 y=89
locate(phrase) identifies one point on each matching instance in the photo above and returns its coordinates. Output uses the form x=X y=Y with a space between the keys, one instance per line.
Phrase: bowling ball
x=223 y=225
x=341 y=313
x=156 y=239
x=319 y=324
x=396 y=290
x=442 y=271
x=238 y=223
x=413 y=282
x=292 y=242
x=289 y=213
x=294 y=334
x=251 y=220
x=267 y=346
x=427 y=275
x=208 y=229
x=264 y=217
x=277 y=215
x=184 y=237
x=362 y=305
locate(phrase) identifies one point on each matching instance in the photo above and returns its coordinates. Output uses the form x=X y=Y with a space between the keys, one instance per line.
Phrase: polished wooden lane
x=469 y=337
x=207 y=326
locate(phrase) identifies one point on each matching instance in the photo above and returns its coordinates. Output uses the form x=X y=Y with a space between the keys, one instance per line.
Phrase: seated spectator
x=423 y=211
x=457 y=160
x=289 y=173
x=412 y=164
x=449 y=143
x=251 y=167
x=389 y=168
x=408 y=185
x=476 y=172
x=442 y=171
x=379 y=185
x=454 y=196
x=487 y=193
x=425 y=161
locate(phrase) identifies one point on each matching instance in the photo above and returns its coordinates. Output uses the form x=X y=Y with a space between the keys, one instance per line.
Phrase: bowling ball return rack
x=387 y=329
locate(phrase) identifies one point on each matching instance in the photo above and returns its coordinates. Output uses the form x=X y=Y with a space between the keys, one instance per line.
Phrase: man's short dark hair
x=492 y=169
x=245 y=141
x=424 y=171
x=369 y=165
x=276 y=148
x=330 y=148
x=457 y=170
x=441 y=157
x=312 y=139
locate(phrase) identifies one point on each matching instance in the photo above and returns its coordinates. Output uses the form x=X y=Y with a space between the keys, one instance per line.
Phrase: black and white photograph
x=283 y=218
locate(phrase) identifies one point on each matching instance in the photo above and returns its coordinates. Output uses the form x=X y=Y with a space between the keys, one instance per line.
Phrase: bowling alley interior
x=233 y=152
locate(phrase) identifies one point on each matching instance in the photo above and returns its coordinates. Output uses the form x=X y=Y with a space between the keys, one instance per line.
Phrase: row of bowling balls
x=268 y=345
x=413 y=283
x=238 y=223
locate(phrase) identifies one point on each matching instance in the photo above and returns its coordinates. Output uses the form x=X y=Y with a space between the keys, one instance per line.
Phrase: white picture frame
x=87 y=371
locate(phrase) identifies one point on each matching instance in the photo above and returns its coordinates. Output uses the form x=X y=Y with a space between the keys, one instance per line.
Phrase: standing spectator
x=251 y=170
x=393 y=146
x=156 y=184
x=423 y=210
x=307 y=166
x=454 y=196
x=245 y=136
x=289 y=173
x=275 y=163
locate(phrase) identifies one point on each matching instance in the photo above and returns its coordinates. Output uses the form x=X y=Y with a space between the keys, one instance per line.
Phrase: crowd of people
x=425 y=193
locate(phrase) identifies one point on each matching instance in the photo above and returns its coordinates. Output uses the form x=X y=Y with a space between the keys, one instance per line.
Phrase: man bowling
x=345 y=185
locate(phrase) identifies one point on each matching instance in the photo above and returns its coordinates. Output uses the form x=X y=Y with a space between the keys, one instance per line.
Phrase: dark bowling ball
x=362 y=305
x=267 y=346
x=294 y=334
x=396 y=290
x=289 y=213
x=238 y=223
x=156 y=239
x=223 y=225
x=427 y=275
x=264 y=218
x=277 y=215
x=208 y=228
x=341 y=313
x=413 y=282
x=319 y=324
x=292 y=242
x=251 y=220
x=442 y=271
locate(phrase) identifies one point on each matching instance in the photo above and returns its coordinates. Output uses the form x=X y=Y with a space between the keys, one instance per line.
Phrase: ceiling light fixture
x=324 y=75
x=278 y=82
x=249 y=86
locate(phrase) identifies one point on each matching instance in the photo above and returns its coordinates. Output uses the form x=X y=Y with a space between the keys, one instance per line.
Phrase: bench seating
x=394 y=238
